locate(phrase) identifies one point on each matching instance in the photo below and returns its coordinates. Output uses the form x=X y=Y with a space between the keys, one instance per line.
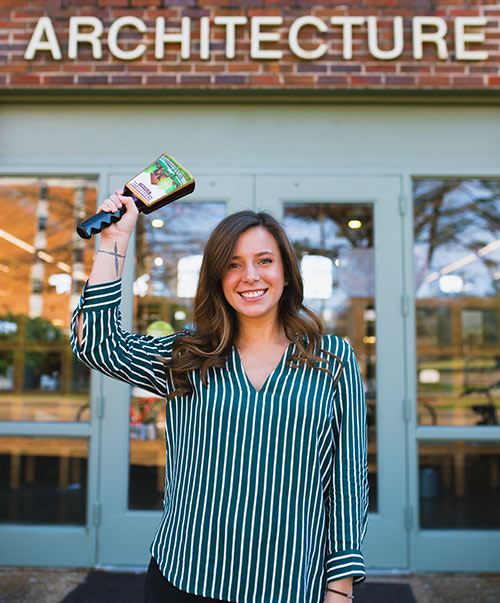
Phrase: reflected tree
x=459 y=214
x=324 y=227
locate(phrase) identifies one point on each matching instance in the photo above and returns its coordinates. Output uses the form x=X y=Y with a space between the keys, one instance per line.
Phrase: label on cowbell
x=159 y=180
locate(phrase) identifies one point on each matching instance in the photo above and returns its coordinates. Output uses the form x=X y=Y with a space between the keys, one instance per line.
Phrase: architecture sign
x=462 y=36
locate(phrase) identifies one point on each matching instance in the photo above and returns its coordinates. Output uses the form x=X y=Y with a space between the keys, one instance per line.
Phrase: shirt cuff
x=101 y=297
x=345 y=564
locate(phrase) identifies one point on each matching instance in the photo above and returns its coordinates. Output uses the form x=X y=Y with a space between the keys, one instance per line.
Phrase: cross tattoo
x=115 y=254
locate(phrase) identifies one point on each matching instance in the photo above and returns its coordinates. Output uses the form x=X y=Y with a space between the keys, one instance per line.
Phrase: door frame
x=445 y=550
x=46 y=544
x=386 y=543
x=125 y=535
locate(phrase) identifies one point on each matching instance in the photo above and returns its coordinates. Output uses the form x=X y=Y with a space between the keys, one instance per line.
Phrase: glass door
x=347 y=234
x=158 y=289
x=48 y=423
x=456 y=427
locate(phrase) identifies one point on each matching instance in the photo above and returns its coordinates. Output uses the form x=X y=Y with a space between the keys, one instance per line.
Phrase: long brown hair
x=214 y=321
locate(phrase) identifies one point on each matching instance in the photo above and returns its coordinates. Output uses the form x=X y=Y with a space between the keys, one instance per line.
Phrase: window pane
x=459 y=485
x=457 y=267
x=335 y=245
x=169 y=246
x=43 y=480
x=43 y=265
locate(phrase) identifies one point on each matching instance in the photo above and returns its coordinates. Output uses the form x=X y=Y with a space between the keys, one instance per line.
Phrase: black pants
x=158 y=589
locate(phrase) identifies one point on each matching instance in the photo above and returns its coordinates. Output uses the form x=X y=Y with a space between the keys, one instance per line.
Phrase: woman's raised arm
x=110 y=257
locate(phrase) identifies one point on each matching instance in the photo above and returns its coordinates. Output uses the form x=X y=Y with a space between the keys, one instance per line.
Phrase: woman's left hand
x=344 y=586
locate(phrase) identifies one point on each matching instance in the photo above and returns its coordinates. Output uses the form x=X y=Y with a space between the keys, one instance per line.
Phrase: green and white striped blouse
x=266 y=491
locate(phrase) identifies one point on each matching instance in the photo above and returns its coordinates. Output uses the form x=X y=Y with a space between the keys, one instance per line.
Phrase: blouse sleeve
x=107 y=348
x=349 y=485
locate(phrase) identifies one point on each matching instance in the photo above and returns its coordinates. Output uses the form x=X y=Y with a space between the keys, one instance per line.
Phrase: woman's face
x=254 y=280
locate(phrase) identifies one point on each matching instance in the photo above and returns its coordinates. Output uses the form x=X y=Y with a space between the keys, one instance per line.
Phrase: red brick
x=167 y=3
x=95 y=12
x=76 y=4
x=467 y=81
x=484 y=69
x=383 y=68
x=311 y=68
x=299 y=80
x=341 y=68
x=434 y=80
x=177 y=67
x=147 y=3
x=194 y=13
x=231 y=80
x=11 y=3
x=214 y=3
x=264 y=79
x=129 y=80
x=209 y=67
x=168 y=13
x=110 y=68
x=160 y=79
x=464 y=13
x=49 y=3
x=14 y=68
x=332 y=79
x=381 y=3
x=243 y=67
x=25 y=15
x=72 y=67
x=25 y=79
x=451 y=69
x=365 y=79
x=132 y=12
x=50 y=68
x=91 y=80
x=494 y=80
x=58 y=79
x=194 y=79
x=263 y=12
x=394 y=80
x=415 y=68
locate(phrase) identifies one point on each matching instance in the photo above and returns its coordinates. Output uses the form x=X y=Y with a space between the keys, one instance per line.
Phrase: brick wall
x=332 y=70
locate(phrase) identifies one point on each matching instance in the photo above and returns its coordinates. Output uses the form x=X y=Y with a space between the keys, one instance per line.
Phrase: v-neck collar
x=270 y=377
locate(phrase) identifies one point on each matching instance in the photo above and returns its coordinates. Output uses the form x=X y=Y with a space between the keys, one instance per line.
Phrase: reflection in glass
x=6 y=370
x=457 y=267
x=43 y=480
x=168 y=251
x=43 y=266
x=334 y=243
x=459 y=485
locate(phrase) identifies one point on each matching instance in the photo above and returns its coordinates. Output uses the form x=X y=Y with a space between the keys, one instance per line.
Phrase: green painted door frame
x=386 y=540
x=125 y=535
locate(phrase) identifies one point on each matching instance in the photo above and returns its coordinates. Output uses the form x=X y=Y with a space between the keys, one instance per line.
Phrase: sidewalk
x=24 y=585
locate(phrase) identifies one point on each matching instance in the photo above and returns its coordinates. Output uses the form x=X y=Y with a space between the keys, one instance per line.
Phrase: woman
x=266 y=477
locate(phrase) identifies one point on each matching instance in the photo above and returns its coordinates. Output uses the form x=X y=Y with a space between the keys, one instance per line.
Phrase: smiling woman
x=265 y=424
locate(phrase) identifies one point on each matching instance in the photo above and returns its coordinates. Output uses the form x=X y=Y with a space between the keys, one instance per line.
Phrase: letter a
x=43 y=28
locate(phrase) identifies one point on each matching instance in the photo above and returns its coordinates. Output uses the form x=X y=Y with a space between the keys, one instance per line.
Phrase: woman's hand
x=125 y=226
x=344 y=586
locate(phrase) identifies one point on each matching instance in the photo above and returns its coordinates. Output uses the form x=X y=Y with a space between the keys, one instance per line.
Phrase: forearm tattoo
x=115 y=254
